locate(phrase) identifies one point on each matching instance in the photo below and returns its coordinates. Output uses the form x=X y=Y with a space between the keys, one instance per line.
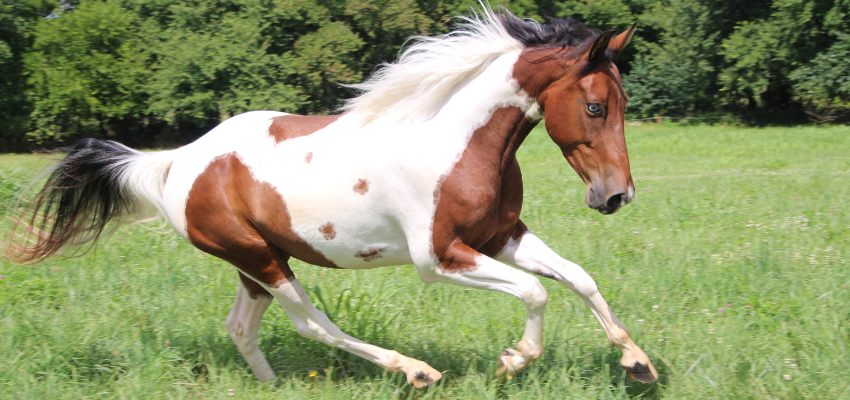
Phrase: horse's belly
x=342 y=210
x=350 y=230
x=355 y=240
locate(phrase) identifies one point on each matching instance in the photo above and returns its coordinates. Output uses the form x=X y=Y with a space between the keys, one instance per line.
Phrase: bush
x=823 y=84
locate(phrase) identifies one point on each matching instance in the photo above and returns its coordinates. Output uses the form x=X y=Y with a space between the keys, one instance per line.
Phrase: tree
x=762 y=55
x=87 y=74
x=823 y=84
x=678 y=73
x=215 y=60
x=166 y=71
x=17 y=20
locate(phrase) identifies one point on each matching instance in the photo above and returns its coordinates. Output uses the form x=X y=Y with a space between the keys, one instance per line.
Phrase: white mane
x=427 y=72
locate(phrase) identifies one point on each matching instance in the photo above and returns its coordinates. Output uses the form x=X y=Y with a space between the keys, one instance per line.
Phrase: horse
x=418 y=168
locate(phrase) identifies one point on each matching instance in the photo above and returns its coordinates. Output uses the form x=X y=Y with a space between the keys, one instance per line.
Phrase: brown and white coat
x=389 y=183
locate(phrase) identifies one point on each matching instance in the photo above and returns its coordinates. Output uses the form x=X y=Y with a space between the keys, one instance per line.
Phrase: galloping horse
x=420 y=168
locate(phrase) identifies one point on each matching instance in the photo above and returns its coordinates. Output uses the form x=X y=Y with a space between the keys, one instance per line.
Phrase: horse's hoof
x=637 y=364
x=510 y=362
x=424 y=376
x=642 y=372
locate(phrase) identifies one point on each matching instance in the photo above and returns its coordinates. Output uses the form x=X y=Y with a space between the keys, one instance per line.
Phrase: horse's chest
x=478 y=207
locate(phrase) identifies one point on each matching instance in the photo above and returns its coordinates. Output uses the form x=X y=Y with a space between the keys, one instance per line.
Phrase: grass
x=753 y=221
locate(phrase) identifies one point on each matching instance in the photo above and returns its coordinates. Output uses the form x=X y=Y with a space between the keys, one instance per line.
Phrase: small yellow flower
x=313 y=374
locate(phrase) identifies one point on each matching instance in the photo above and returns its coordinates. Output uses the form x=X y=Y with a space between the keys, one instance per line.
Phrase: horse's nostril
x=615 y=202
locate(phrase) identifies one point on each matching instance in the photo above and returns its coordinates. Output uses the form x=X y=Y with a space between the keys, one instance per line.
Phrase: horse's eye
x=594 y=108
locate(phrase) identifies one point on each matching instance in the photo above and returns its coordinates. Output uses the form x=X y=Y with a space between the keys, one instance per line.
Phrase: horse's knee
x=317 y=327
x=306 y=332
x=535 y=295
x=304 y=329
x=584 y=285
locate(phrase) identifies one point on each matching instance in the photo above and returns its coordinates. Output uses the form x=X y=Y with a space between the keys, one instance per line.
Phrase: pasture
x=730 y=268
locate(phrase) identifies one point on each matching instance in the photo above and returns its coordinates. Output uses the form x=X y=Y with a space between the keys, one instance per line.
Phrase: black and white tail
x=98 y=185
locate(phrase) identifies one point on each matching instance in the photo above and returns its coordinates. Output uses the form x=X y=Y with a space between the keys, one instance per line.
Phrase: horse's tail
x=98 y=185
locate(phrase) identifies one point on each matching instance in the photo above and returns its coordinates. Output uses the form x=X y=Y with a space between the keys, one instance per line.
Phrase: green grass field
x=730 y=269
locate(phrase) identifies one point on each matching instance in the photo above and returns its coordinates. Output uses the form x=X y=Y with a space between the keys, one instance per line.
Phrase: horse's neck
x=497 y=114
x=473 y=102
x=496 y=143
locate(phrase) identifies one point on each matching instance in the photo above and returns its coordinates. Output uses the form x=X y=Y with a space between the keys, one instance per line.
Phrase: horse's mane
x=430 y=69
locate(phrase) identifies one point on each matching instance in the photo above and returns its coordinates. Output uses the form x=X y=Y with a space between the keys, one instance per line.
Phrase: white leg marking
x=243 y=322
x=531 y=254
x=313 y=324
x=493 y=275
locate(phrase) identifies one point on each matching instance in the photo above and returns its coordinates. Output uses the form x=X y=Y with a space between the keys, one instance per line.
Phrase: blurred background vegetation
x=157 y=73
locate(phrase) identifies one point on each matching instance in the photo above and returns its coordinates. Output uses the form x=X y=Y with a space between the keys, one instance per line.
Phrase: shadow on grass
x=290 y=355
x=194 y=356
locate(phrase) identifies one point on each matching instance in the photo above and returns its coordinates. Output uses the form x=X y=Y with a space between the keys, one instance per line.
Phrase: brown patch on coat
x=536 y=69
x=361 y=187
x=479 y=201
x=328 y=231
x=231 y=215
x=291 y=126
x=308 y=157
x=370 y=253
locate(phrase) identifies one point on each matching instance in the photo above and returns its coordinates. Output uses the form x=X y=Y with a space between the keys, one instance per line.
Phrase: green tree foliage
x=87 y=72
x=823 y=84
x=180 y=67
x=738 y=56
x=763 y=55
x=327 y=57
x=678 y=72
x=17 y=20
x=156 y=72
x=212 y=60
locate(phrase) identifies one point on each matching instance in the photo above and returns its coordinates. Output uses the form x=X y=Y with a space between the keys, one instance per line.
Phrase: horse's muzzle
x=612 y=203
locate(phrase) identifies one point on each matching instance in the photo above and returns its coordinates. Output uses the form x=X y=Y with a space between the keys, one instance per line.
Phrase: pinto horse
x=420 y=168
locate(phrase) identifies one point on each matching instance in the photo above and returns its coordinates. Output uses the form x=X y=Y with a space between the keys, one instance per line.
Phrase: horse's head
x=581 y=95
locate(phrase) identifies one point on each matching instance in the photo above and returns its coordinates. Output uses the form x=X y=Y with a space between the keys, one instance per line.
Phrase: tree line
x=163 y=72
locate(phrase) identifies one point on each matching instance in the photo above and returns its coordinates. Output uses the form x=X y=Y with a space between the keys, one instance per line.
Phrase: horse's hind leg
x=313 y=324
x=243 y=323
x=223 y=211
x=267 y=266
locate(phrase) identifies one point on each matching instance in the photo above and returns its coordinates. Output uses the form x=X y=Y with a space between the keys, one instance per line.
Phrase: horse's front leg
x=531 y=254
x=461 y=265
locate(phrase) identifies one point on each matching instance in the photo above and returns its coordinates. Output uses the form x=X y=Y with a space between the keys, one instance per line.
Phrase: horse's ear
x=599 y=45
x=618 y=43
